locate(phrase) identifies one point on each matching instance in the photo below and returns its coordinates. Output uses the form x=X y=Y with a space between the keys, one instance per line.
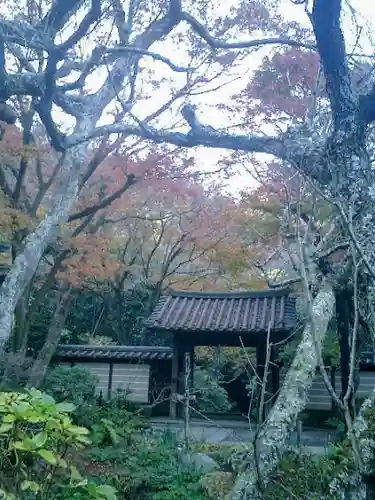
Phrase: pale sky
x=208 y=111
x=365 y=9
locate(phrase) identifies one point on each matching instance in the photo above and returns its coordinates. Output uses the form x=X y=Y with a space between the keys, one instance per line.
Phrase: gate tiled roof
x=255 y=311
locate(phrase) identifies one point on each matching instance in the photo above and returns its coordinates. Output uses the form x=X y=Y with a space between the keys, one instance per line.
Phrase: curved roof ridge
x=233 y=294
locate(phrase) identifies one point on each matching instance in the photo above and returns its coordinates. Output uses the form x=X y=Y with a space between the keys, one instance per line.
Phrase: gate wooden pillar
x=178 y=377
x=176 y=367
x=192 y=367
x=174 y=375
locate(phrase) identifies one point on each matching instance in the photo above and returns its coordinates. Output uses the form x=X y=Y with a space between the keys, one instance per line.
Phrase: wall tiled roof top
x=113 y=352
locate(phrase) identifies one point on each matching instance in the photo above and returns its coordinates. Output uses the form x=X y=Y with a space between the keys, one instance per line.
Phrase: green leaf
x=34 y=392
x=9 y=418
x=80 y=431
x=35 y=419
x=4 y=428
x=91 y=489
x=107 y=422
x=30 y=485
x=82 y=484
x=42 y=397
x=6 y=496
x=114 y=436
x=65 y=407
x=106 y=491
x=48 y=456
x=74 y=474
x=39 y=440
x=21 y=408
x=22 y=445
x=82 y=440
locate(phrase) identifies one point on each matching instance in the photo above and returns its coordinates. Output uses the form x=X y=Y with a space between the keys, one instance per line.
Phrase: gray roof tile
x=225 y=312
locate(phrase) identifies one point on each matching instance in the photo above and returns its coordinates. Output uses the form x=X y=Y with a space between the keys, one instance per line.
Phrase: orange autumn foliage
x=163 y=229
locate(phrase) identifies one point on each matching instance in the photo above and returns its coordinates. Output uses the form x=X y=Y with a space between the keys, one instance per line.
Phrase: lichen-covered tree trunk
x=272 y=438
x=16 y=355
x=41 y=363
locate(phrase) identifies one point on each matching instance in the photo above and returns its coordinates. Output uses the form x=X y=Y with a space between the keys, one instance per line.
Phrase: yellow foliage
x=11 y=219
x=237 y=357
x=41 y=212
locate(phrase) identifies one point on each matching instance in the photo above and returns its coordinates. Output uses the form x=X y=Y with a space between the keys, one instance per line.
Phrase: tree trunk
x=15 y=366
x=19 y=342
x=43 y=360
x=281 y=421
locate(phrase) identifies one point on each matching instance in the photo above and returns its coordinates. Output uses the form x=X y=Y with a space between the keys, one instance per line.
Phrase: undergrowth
x=141 y=465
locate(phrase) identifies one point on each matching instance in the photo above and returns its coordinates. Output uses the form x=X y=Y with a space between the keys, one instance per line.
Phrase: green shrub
x=138 y=463
x=106 y=433
x=211 y=396
x=152 y=472
x=76 y=384
x=35 y=436
x=113 y=423
x=306 y=476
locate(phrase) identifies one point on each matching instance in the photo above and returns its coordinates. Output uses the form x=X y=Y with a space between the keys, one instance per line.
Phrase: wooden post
x=192 y=367
x=181 y=381
x=174 y=381
x=187 y=381
x=110 y=379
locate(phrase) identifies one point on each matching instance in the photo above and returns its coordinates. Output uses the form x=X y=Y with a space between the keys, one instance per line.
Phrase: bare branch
x=59 y=14
x=216 y=43
x=23 y=34
x=212 y=139
x=106 y=201
x=91 y=17
x=157 y=30
x=115 y=51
